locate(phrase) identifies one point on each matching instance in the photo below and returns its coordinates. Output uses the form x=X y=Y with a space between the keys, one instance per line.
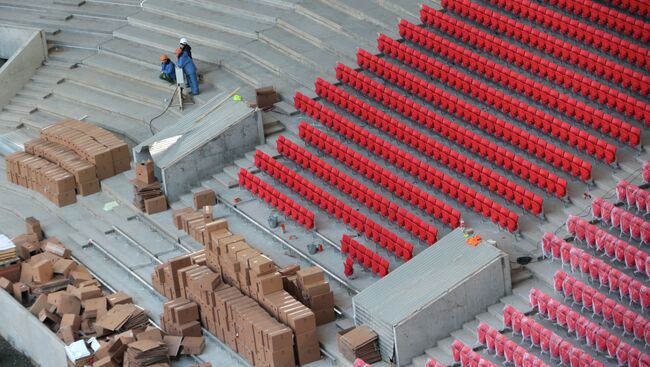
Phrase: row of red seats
x=467 y=357
x=640 y=7
x=599 y=271
x=433 y=363
x=596 y=336
x=589 y=61
x=577 y=30
x=380 y=175
x=545 y=68
x=364 y=256
x=607 y=17
x=494 y=341
x=628 y=223
x=431 y=147
x=427 y=145
x=632 y=195
x=358 y=190
x=607 y=308
x=562 y=102
x=602 y=242
x=486 y=121
x=547 y=340
x=277 y=199
x=506 y=218
x=471 y=114
x=328 y=202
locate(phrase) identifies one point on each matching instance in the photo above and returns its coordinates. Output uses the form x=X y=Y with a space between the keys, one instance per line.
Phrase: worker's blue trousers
x=193 y=81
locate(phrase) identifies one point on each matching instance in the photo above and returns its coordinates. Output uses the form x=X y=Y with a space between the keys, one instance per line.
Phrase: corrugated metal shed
x=193 y=131
x=416 y=284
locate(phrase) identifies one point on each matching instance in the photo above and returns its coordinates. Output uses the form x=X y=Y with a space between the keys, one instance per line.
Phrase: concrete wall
x=26 y=50
x=447 y=314
x=211 y=158
x=28 y=335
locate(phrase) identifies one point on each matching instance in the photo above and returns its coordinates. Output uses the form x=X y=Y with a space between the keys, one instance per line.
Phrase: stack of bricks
x=181 y=317
x=231 y=316
x=257 y=276
x=84 y=173
x=315 y=292
x=69 y=158
x=43 y=176
x=95 y=145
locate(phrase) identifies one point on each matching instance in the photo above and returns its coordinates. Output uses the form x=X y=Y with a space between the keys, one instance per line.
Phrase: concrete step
x=407 y=9
x=490 y=320
x=302 y=51
x=249 y=71
x=107 y=102
x=465 y=336
x=19 y=100
x=135 y=130
x=165 y=42
x=59 y=64
x=76 y=24
x=46 y=79
x=39 y=86
x=419 y=361
x=19 y=109
x=96 y=9
x=368 y=11
x=207 y=17
x=77 y=55
x=121 y=86
x=279 y=63
x=282 y=4
x=112 y=65
x=31 y=93
x=78 y=39
x=40 y=119
x=322 y=36
x=252 y=10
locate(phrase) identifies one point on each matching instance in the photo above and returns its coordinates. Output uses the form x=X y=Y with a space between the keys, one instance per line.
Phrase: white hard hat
x=183 y=41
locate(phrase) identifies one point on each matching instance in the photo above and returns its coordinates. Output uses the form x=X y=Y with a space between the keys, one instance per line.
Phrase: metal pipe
x=122 y=265
x=285 y=243
x=137 y=244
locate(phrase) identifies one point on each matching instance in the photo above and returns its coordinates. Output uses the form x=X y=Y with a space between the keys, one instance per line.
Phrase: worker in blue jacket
x=167 y=71
x=189 y=69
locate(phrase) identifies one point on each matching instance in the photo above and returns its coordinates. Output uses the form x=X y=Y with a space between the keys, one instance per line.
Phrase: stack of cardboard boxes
x=231 y=316
x=70 y=158
x=43 y=176
x=255 y=275
x=95 y=145
x=181 y=317
x=84 y=173
x=147 y=192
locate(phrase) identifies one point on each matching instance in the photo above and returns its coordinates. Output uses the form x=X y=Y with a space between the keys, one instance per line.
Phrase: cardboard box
x=33 y=226
x=192 y=345
x=64 y=267
x=310 y=275
x=42 y=271
x=270 y=283
x=266 y=97
x=177 y=216
x=155 y=205
x=71 y=320
x=204 y=198
x=144 y=172
x=89 y=187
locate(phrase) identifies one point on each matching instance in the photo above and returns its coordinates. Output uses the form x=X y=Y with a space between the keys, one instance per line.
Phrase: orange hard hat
x=164 y=57
x=178 y=51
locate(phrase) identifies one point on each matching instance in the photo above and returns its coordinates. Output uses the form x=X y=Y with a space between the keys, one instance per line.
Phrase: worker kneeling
x=189 y=69
x=167 y=71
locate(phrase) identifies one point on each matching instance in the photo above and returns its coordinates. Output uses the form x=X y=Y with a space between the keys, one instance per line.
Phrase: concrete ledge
x=23 y=330
x=25 y=50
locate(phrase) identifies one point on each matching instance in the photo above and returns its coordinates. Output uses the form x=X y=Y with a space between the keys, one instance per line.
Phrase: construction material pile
x=98 y=328
x=253 y=279
x=147 y=192
x=69 y=158
x=359 y=342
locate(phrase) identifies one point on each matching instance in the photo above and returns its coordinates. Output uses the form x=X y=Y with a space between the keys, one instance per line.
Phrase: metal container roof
x=419 y=282
x=194 y=130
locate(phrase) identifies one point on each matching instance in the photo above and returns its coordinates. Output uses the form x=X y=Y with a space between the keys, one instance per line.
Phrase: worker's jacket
x=185 y=62
x=187 y=50
x=167 y=67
